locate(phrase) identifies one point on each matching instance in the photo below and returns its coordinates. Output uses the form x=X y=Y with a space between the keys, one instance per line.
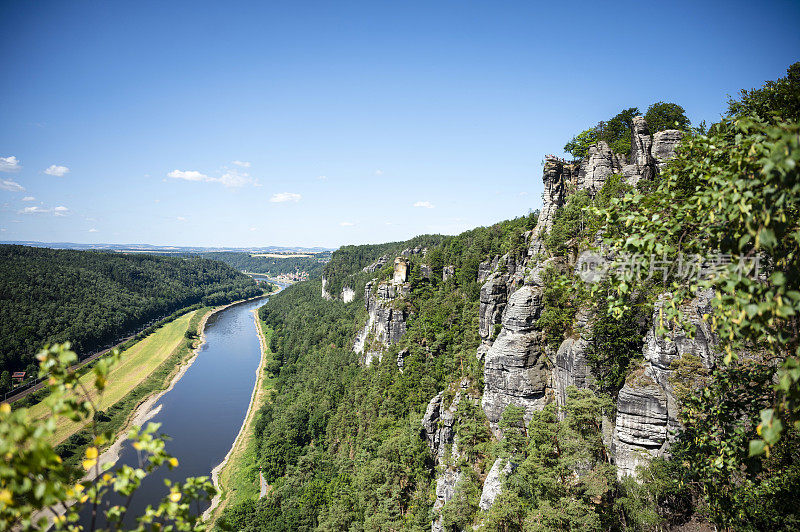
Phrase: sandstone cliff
x=386 y=314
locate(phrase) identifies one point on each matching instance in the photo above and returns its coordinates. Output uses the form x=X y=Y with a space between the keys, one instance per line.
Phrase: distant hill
x=139 y=248
x=92 y=298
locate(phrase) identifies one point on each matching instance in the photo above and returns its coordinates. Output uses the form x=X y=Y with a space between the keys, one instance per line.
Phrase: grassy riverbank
x=144 y=369
x=135 y=365
x=238 y=478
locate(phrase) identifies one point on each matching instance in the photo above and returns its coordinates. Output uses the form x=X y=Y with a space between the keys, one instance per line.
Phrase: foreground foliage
x=35 y=486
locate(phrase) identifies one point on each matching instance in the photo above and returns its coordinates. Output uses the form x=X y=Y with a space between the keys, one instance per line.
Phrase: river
x=203 y=413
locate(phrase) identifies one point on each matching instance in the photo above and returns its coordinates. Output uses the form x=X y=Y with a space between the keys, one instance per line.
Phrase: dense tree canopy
x=255 y=263
x=93 y=298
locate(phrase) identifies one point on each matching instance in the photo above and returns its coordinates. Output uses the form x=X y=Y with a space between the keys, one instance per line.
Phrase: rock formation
x=493 y=485
x=439 y=430
x=516 y=367
x=571 y=366
x=600 y=163
x=647 y=410
x=557 y=176
x=386 y=314
x=325 y=294
x=664 y=144
x=642 y=163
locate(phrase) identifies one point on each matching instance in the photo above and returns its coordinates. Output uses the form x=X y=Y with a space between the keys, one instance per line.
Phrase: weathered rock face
x=348 y=294
x=445 y=490
x=647 y=411
x=408 y=252
x=448 y=272
x=377 y=265
x=426 y=271
x=493 y=484
x=664 y=144
x=494 y=295
x=486 y=268
x=386 y=321
x=501 y=275
x=439 y=430
x=516 y=366
x=557 y=175
x=401 y=267
x=598 y=165
x=571 y=366
x=325 y=294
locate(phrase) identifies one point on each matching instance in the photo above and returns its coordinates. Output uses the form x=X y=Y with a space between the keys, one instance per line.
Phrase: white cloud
x=243 y=164
x=181 y=219
x=60 y=211
x=253 y=229
x=523 y=193
x=92 y=230
x=231 y=177
x=424 y=204
x=322 y=177
x=34 y=210
x=283 y=197
x=188 y=175
x=28 y=198
x=56 y=170
x=379 y=172
x=9 y=164
x=12 y=186
x=346 y=224
x=234 y=178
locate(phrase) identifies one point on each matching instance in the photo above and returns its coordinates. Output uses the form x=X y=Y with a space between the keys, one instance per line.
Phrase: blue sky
x=327 y=123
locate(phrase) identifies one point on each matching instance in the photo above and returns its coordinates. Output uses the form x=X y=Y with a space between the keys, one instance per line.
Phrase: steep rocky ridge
x=520 y=369
x=386 y=314
x=439 y=430
x=647 y=409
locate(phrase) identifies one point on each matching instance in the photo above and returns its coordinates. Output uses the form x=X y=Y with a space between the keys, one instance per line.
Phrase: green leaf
x=757 y=447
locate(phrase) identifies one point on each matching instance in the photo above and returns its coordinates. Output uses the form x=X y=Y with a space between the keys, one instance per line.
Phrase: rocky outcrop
x=664 y=144
x=348 y=294
x=386 y=320
x=600 y=163
x=642 y=164
x=647 y=410
x=448 y=272
x=410 y=252
x=439 y=430
x=387 y=314
x=425 y=271
x=500 y=275
x=517 y=369
x=325 y=294
x=557 y=176
x=445 y=490
x=572 y=368
x=378 y=264
x=486 y=268
x=401 y=270
x=493 y=484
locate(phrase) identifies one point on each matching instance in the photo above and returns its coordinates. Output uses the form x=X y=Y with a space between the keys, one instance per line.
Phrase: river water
x=203 y=413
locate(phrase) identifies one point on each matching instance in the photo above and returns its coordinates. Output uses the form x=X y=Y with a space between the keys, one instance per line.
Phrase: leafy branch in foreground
x=36 y=487
x=731 y=199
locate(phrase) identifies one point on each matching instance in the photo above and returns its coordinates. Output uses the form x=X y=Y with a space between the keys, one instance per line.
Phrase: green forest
x=269 y=265
x=340 y=444
x=93 y=299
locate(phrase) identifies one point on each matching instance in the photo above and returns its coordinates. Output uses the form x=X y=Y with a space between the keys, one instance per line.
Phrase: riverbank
x=146 y=405
x=237 y=477
x=137 y=364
